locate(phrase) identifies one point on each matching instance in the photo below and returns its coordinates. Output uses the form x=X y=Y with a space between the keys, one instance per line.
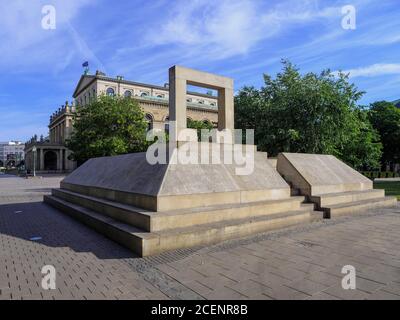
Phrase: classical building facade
x=51 y=155
x=153 y=99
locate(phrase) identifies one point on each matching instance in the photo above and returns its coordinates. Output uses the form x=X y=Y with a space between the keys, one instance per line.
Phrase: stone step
x=357 y=206
x=126 y=235
x=326 y=200
x=131 y=215
x=156 y=221
x=149 y=243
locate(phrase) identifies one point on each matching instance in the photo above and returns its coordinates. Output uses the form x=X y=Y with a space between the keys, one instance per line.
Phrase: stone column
x=225 y=109
x=41 y=167
x=60 y=156
x=177 y=103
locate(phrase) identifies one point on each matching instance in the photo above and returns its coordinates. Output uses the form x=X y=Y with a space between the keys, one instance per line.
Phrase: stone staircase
x=342 y=203
x=148 y=232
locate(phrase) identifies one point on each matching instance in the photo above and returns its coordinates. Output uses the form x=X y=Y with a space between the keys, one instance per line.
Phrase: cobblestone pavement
x=303 y=262
x=17 y=190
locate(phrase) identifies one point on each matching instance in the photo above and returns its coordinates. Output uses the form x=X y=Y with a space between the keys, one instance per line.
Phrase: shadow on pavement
x=36 y=219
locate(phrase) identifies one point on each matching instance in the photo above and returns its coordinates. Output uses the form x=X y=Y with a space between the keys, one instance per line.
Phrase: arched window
x=128 y=94
x=160 y=96
x=149 y=120
x=212 y=104
x=166 y=124
x=144 y=94
x=110 y=92
x=189 y=100
x=200 y=102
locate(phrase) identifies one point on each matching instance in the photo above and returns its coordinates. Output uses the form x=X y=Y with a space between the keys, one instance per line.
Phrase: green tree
x=363 y=149
x=195 y=124
x=385 y=118
x=108 y=126
x=311 y=113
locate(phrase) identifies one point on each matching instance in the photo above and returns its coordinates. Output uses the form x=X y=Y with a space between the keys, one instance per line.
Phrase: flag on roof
x=85 y=64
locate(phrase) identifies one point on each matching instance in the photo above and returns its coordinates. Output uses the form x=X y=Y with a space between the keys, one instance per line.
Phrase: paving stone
x=393 y=287
x=350 y=294
x=384 y=295
x=367 y=285
x=322 y=296
x=324 y=278
x=281 y=292
x=300 y=263
x=307 y=286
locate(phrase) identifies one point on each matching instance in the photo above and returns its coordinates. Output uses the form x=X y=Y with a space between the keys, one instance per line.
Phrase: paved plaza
x=303 y=262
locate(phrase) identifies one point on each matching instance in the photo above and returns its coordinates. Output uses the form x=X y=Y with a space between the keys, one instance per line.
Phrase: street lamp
x=34 y=160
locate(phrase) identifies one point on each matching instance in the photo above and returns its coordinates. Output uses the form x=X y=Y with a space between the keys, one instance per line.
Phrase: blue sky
x=141 y=39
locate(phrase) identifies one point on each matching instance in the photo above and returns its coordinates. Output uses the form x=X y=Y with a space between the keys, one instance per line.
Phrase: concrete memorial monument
x=151 y=206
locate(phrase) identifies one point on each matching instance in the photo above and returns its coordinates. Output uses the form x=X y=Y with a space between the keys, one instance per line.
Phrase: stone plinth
x=317 y=174
x=131 y=179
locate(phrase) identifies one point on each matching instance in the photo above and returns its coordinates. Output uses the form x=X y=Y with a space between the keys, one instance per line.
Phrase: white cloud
x=221 y=29
x=377 y=69
x=24 y=43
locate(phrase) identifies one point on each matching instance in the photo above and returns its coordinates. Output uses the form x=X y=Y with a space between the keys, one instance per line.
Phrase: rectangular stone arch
x=180 y=77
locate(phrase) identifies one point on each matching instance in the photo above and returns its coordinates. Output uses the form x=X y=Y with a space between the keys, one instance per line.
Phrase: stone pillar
x=225 y=109
x=41 y=167
x=177 y=103
x=60 y=157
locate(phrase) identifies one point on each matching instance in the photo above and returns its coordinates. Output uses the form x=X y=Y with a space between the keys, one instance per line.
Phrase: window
x=128 y=94
x=200 y=102
x=188 y=100
x=149 y=120
x=166 y=124
x=110 y=92
x=212 y=104
x=144 y=94
x=160 y=96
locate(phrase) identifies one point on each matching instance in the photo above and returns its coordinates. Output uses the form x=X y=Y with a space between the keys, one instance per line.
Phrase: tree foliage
x=199 y=125
x=311 y=113
x=385 y=118
x=109 y=125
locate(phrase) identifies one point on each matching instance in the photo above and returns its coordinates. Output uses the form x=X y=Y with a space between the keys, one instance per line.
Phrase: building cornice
x=93 y=78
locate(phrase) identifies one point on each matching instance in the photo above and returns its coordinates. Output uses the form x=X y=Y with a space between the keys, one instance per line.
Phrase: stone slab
x=316 y=174
x=175 y=185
